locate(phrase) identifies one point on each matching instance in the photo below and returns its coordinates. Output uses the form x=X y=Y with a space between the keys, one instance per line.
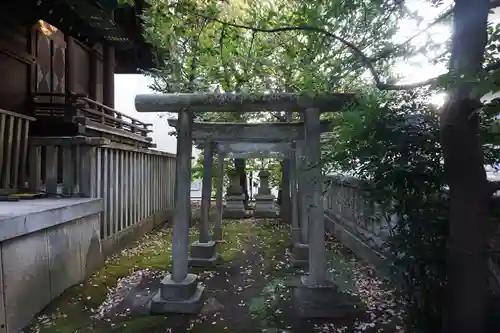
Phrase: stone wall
x=355 y=220
x=360 y=225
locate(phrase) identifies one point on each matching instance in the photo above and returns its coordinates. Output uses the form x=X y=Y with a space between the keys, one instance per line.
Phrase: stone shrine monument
x=235 y=199
x=265 y=206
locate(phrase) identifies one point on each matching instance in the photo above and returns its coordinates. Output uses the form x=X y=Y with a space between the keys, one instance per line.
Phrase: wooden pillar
x=70 y=64
x=93 y=74
x=108 y=79
x=182 y=212
x=317 y=251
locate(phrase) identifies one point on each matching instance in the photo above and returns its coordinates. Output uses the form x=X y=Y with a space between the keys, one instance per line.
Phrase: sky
x=127 y=86
x=413 y=70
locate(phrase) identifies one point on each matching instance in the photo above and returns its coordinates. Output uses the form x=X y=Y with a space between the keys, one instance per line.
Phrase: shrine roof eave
x=240 y=102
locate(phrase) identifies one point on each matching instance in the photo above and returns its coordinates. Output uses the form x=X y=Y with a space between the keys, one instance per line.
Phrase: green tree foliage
x=201 y=52
x=392 y=141
x=323 y=46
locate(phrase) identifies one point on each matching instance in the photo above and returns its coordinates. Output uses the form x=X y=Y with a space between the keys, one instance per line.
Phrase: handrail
x=14 y=129
x=17 y=115
x=85 y=107
x=115 y=116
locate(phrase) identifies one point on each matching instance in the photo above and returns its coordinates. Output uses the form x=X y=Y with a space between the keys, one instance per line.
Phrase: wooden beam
x=239 y=102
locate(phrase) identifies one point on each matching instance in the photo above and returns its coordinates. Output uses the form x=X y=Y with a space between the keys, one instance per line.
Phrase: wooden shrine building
x=57 y=64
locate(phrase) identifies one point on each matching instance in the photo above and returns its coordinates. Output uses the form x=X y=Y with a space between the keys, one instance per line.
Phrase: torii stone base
x=203 y=254
x=300 y=255
x=265 y=206
x=235 y=207
x=324 y=301
x=186 y=296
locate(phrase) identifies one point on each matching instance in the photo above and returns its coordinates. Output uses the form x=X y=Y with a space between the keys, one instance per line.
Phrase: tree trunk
x=464 y=168
x=240 y=167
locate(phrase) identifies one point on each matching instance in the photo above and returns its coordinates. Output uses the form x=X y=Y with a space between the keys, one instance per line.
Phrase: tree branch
x=439 y=19
x=366 y=61
x=354 y=49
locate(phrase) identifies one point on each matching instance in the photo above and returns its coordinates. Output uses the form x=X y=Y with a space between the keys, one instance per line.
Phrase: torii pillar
x=179 y=291
x=300 y=248
x=203 y=251
x=217 y=236
x=317 y=296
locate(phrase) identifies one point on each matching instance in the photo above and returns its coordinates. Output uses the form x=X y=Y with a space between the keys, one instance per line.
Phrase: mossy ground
x=252 y=284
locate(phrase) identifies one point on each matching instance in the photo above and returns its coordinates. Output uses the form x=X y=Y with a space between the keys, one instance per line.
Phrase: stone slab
x=295 y=235
x=265 y=214
x=264 y=197
x=235 y=214
x=324 y=301
x=203 y=250
x=235 y=207
x=265 y=207
x=193 y=305
x=27 y=216
x=204 y=262
x=300 y=255
x=174 y=291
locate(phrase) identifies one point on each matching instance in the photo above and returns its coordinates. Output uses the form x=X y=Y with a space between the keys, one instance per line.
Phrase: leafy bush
x=392 y=140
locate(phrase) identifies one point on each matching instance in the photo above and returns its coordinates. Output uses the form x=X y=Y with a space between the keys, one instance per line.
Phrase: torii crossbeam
x=240 y=102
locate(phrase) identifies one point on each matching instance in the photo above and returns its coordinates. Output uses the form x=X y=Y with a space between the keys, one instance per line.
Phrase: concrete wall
x=47 y=245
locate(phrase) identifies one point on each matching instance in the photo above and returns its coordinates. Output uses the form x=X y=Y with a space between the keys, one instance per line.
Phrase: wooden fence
x=135 y=183
x=14 y=129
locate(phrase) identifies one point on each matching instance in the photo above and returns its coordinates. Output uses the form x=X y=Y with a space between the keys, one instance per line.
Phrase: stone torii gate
x=316 y=296
x=265 y=206
x=246 y=141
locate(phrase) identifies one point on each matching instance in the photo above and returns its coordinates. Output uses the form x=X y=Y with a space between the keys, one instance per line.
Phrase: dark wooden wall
x=16 y=60
x=41 y=58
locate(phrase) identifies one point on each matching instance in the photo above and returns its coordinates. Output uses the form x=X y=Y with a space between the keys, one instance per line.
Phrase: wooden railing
x=135 y=183
x=110 y=117
x=92 y=115
x=14 y=130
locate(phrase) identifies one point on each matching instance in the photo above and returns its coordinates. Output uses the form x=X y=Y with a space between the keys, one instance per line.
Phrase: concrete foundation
x=324 y=301
x=235 y=207
x=300 y=255
x=186 y=296
x=203 y=254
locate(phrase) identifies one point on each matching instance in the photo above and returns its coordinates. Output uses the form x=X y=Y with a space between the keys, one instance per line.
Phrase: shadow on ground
x=250 y=291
